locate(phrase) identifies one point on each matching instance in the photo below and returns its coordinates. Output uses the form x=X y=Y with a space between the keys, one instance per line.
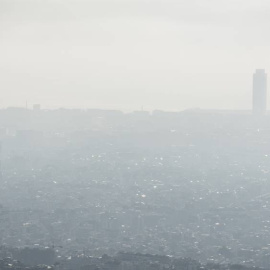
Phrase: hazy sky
x=123 y=54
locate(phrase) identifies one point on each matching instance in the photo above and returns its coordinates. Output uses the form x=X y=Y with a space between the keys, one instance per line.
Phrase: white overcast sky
x=122 y=54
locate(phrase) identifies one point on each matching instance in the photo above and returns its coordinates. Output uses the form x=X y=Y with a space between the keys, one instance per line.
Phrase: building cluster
x=191 y=184
x=79 y=184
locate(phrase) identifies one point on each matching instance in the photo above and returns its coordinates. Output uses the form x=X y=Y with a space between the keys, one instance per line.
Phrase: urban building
x=259 y=92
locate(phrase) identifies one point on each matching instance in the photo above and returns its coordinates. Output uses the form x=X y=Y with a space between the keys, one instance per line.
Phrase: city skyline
x=134 y=134
x=125 y=54
x=259 y=98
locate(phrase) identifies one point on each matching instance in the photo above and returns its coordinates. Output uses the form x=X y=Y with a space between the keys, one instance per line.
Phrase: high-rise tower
x=259 y=92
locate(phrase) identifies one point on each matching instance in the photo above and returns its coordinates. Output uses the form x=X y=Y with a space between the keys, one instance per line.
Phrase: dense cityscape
x=84 y=183
x=134 y=135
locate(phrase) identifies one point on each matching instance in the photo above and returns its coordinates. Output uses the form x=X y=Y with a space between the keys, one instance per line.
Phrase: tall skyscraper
x=259 y=92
